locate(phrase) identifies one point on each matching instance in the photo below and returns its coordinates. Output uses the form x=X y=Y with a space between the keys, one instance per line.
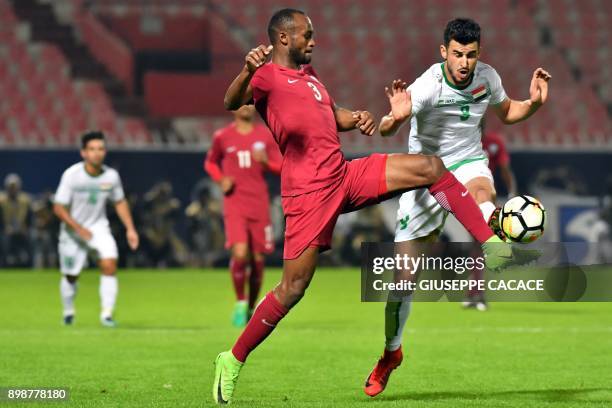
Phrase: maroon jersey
x=495 y=148
x=233 y=152
x=297 y=108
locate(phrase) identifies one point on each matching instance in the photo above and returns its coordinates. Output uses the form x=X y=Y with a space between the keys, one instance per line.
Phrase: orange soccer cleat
x=377 y=380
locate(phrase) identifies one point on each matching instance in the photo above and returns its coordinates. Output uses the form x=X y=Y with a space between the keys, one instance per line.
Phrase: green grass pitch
x=173 y=324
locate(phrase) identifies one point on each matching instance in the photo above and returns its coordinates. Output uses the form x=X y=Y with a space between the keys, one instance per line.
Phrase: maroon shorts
x=310 y=218
x=257 y=233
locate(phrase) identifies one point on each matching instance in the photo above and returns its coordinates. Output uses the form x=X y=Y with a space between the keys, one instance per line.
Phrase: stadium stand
x=400 y=39
x=47 y=100
x=360 y=49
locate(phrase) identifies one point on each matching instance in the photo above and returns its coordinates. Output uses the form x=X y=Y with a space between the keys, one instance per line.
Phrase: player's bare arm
x=226 y=184
x=123 y=211
x=511 y=111
x=348 y=120
x=239 y=92
x=64 y=215
x=401 y=108
x=269 y=164
x=260 y=156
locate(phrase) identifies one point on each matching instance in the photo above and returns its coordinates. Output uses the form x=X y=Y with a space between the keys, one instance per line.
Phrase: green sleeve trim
x=462 y=162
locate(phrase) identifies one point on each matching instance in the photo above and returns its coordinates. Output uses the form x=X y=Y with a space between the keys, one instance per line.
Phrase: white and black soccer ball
x=523 y=218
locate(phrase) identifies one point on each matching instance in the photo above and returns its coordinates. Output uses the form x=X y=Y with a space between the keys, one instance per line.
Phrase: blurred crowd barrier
x=191 y=234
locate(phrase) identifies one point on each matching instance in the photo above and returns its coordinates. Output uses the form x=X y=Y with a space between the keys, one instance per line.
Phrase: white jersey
x=446 y=120
x=86 y=195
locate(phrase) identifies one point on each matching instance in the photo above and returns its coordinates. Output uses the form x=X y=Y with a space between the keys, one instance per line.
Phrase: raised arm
x=239 y=92
x=401 y=108
x=511 y=111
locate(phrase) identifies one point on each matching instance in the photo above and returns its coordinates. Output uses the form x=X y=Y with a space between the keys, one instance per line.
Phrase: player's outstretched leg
x=68 y=291
x=108 y=291
x=297 y=274
x=409 y=171
x=500 y=255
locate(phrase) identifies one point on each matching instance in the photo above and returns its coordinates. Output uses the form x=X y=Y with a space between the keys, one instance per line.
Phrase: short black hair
x=281 y=20
x=462 y=30
x=89 y=136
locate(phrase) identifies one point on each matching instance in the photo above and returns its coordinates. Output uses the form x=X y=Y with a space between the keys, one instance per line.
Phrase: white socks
x=487 y=209
x=68 y=293
x=108 y=295
x=396 y=314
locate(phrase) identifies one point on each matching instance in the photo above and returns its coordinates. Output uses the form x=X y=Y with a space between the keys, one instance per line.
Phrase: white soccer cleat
x=108 y=321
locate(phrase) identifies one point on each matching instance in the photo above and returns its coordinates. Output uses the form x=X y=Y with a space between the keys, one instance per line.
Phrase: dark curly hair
x=462 y=30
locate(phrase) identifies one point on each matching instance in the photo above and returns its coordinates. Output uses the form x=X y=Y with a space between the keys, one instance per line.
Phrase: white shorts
x=419 y=214
x=73 y=251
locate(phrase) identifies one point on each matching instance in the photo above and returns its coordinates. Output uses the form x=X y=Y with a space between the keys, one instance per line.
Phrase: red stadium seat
x=361 y=46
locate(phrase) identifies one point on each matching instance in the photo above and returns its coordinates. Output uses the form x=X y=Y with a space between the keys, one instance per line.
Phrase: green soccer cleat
x=500 y=255
x=227 y=368
x=240 y=315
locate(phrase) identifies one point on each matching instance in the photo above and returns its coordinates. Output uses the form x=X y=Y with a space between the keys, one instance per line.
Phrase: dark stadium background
x=151 y=75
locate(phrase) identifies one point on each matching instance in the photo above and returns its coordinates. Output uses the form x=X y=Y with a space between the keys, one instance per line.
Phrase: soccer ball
x=522 y=219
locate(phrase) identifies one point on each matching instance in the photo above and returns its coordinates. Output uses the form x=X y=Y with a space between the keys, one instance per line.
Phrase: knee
x=108 y=268
x=240 y=252
x=433 y=169
x=71 y=278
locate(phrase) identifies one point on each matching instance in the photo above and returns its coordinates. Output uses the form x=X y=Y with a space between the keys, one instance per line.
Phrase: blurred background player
x=15 y=223
x=494 y=147
x=80 y=203
x=239 y=156
x=445 y=106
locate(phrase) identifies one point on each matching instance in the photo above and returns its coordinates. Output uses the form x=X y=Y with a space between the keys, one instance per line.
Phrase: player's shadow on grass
x=552 y=395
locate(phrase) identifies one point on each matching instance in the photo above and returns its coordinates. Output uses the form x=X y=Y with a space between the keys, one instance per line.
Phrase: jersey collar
x=449 y=83
x=299 y=71
x=93 y=175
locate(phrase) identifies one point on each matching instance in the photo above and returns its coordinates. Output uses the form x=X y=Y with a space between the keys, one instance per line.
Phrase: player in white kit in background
x=80 y=203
